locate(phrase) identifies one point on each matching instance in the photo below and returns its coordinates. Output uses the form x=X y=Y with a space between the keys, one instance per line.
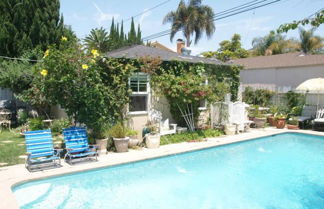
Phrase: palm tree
x=309 y=43
x=98 y=39
x=192 y=18
x=273 y=43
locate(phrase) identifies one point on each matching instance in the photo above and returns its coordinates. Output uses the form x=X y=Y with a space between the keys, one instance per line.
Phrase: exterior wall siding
x=280 y=79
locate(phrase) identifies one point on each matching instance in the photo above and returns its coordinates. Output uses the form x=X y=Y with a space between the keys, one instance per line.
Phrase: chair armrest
x=174 y=126
x=58 y=151
x=94 y=147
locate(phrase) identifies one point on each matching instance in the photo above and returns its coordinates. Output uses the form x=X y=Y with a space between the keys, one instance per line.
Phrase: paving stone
x=7 y=141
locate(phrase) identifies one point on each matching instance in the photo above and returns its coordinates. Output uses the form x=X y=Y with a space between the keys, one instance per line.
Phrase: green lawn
x=12 y=145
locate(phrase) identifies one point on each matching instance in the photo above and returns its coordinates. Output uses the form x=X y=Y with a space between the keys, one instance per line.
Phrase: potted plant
x=292 y=123
x=230 y=129
x=152 y=138
x=101 y=135
x=280 y=120
x=118 y=133
x=271 y=119
x=259 y=119
x=133 y=138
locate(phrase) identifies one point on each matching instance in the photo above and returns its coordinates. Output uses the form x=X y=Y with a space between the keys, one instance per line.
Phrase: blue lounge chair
x=77 y=147
x=40 y=151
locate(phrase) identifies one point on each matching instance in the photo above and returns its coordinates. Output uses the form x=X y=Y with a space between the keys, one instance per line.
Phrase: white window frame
x=205 y=106
x=147 y=93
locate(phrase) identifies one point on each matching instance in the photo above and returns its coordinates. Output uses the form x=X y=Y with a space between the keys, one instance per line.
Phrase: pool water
x=284 y=171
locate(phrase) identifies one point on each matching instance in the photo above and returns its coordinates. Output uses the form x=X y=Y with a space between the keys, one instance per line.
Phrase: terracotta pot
x=281 y=123
x=102 y=145
x=121 y=144
x=152 y=141
x=272 y=121
x=293 y=127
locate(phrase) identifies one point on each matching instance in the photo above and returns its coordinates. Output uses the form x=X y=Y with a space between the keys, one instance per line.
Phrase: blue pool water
x=284 y=171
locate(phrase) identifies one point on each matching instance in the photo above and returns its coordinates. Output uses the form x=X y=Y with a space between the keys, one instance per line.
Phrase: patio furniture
x=308 y=113
x=77 y=147
x=5 y=118
x=166 y=128
x=318 y=122
x=40 y=150
x=238 y=115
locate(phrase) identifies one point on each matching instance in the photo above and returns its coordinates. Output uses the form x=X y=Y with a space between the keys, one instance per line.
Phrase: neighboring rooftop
x=137 y=51
x=281 y=60
x=160 y=46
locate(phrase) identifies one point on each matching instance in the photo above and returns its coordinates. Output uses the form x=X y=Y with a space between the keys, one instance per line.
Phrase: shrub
x=189 y=136
x=259 y=97
x=131 y=132
x=293 y=121
x=22 y=117
x=118 y=131
x=58 y=125
x=35 y=124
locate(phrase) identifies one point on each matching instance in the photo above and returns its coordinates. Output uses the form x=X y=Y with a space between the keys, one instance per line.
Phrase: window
x=203 y=103
x=139 y=84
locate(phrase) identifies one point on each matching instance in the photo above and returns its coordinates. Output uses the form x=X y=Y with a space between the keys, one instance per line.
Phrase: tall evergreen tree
x=139 y=34
x=132 y=33
x=112 y=29
x=122 y=34
x=27 y=24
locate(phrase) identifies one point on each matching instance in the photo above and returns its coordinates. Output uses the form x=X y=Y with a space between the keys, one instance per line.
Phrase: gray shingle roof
x=137 y=51
x=281 y=60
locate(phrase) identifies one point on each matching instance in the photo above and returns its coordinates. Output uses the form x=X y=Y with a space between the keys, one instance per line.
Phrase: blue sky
x=83 y=15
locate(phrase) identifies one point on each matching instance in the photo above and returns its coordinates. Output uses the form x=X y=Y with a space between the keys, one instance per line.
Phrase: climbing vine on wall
x=184 y=83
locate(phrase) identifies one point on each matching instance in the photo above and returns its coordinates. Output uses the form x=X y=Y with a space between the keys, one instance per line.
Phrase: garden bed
x=194 y=136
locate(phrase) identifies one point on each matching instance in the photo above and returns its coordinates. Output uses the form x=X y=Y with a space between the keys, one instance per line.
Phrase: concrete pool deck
x=13 y=175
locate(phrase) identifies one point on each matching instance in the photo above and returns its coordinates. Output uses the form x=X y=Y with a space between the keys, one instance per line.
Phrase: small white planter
x=152 y=141
x=230 y=129
x=133 y=141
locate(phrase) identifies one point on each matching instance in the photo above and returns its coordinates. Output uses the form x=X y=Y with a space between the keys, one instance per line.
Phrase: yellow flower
x=85 y=66
x=93 y=61
x=95 y=53
x=44 y=72
x=46 y=53
x=63 y=38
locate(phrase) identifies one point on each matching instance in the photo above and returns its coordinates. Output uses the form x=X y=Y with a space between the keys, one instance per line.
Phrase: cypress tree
x=139 y=35
x=132 y=34
x=112 y=29
x=121 y=37
x=27 y=24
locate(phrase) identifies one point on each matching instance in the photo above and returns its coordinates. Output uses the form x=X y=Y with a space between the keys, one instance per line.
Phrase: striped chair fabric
x=40 y=149
x=76 y=144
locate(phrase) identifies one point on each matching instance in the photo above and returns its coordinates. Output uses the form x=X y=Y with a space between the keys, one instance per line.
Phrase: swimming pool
x=282 y=171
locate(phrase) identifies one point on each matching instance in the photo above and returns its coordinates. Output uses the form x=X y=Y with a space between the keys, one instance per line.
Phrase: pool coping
x=11 y=176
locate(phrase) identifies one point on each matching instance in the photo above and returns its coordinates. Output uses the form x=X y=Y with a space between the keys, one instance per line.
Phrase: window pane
x=138 y=103
x=138 y=83
x=203 y=103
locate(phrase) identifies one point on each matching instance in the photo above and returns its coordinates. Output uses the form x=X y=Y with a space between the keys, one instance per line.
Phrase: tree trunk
x=188 y=40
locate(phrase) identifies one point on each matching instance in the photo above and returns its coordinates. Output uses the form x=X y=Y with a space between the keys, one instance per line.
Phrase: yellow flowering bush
x=63 y=38
x=95 y=53
x=46 y=53
x=94 y=97
x=44 y=72
x=85 y=66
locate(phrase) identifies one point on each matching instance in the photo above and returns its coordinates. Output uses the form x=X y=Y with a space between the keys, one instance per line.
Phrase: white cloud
x=144 y=15
x=102 y=17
